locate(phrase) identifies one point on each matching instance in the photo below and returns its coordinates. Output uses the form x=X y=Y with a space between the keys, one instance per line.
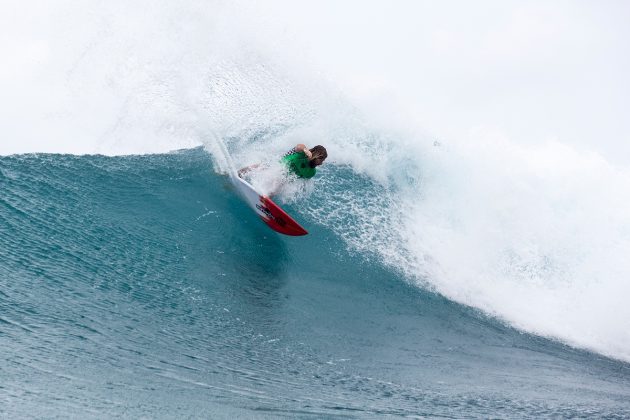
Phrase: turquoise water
x=143 y=287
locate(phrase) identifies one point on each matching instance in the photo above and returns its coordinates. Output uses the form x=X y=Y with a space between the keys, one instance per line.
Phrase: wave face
x=141 y=286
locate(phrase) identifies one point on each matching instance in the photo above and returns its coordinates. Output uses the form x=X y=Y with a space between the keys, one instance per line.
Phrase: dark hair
x=319 y=156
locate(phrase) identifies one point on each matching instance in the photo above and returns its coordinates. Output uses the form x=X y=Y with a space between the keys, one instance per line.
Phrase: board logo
x=265 y=210
x=280 y=221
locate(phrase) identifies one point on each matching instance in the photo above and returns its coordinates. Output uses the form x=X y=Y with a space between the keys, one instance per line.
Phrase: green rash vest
x=298 y=163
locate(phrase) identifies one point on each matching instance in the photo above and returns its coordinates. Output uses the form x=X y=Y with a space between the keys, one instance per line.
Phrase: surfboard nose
x=278 y=219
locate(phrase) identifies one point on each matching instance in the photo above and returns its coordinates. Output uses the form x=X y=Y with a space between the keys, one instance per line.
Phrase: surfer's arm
x=302 y=148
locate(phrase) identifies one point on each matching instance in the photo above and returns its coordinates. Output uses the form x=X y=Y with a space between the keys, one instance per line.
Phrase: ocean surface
x=143 y=287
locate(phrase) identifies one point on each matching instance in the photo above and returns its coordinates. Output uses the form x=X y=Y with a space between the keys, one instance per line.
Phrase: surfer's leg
x=246 y=169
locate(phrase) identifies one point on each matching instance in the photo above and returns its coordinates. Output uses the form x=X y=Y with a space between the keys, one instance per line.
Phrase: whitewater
x=469 y=230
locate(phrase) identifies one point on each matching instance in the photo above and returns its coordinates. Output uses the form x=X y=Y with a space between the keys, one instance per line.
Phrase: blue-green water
x=143 y=287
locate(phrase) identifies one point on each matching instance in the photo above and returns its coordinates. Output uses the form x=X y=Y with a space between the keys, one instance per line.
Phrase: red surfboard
x=270 y=213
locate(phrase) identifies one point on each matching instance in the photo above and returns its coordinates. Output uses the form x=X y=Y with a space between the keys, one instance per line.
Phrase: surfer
x=300 y=161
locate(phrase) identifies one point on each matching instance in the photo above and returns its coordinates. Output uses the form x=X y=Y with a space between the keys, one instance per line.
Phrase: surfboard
x=270 y=213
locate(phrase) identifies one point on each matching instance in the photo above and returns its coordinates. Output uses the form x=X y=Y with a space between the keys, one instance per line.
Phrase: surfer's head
x=318 y=156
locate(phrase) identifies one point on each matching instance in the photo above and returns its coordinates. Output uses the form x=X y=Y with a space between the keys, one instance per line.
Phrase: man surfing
x=300 y=161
